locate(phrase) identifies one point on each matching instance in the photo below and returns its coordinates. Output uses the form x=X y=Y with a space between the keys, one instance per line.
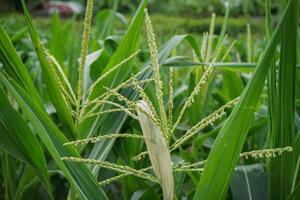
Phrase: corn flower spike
x=157 y=78
x=186 y=167
x=190 y=165
x=140 y=156
x=257 y=154
x=112 y=179
x=112 y=70
x=114 y=167
x=67 y=95
x=189 y=170
x=96 y=103
x=115 y=178
x=102 y=102
x=132 y=105
x=144 y=97
x=103 y=137
x=106 y=95
x=195 y=92
x=99 y=102
x=204 y=122
x=126 y=110
x=62 y=74
x=84 y=50
x=266 y=153
x=60 y=85
x=170 y=101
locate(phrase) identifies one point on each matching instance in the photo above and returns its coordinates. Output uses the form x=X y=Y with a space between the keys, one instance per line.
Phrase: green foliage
x=162 y=121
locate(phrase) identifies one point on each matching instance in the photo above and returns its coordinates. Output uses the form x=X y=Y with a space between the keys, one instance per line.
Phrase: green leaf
x=295 y=194
x=24 y=140
x=57 y=42
x=98 y=60
x=233 y=84
x=10 y=179
x=14 y=65
x=8 y=144
x=106 y=18
x=281 y=168
x=182 y=61
x=224 y=155
x=296 y=175
x=78 y=175
x=50 y=81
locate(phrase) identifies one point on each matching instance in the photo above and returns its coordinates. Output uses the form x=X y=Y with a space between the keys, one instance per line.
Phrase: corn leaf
x=225 y=152
x=14 y=65
x=10 y=180
x=282 y=168
x=23 y=139
x=49 y=77
x=78 y=175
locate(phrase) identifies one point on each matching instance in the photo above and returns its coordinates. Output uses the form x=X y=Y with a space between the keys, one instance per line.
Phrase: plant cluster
x=191 y=124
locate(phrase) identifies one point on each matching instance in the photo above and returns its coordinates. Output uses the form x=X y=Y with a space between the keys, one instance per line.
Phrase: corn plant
x=158 y=128
x=16 y=80
x=119 y=115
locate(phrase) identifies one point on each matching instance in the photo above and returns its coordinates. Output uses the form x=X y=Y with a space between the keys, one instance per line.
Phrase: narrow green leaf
x=8 y=144
x=10 y=179
x=56 y=96
x=284 y=123
x=225 y=152
x=182 y=61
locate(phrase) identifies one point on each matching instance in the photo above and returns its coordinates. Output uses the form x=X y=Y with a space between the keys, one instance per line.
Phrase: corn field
x=105 y=111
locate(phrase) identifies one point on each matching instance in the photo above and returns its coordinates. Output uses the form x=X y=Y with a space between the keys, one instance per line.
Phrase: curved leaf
x=79 y=176
x=51 y=83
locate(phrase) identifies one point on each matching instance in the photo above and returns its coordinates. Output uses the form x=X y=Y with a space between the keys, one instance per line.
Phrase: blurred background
x=190 y=15
x=185 y=8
